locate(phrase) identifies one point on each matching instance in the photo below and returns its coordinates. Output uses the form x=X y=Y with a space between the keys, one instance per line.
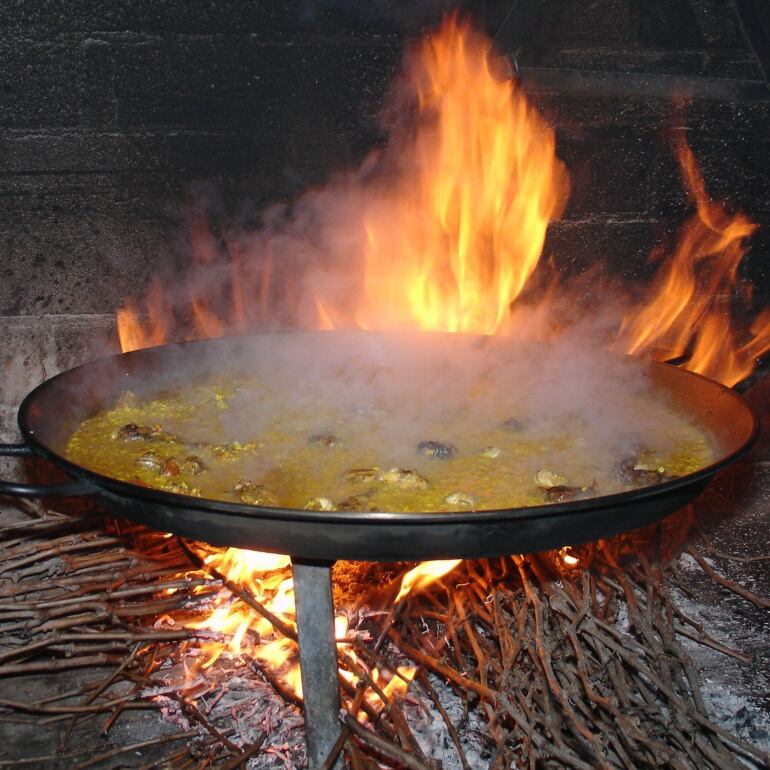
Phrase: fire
x=567 y=558
x=452 y=243
x=424 y=574
x=449 y=229
x=133 y=334
x=688 y=310
x=265 y=577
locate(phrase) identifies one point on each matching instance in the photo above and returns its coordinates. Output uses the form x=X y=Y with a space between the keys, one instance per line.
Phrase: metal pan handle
x=38 y=490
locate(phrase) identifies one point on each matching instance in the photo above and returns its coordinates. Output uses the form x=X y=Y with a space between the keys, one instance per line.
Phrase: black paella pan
x=53 y=411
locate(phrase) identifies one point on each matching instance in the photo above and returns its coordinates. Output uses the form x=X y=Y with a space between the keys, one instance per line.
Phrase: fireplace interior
x=117 y=122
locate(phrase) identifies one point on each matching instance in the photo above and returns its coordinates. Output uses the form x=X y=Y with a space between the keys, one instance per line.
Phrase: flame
x=399 y=683
x=133 y=334
x=220 y=297
x=449 y=239
x=264 y=575
x=449 y=231
x=688 y=310
x=452 y=243
x=424 y=574
x=240 y=564
x=567 y=558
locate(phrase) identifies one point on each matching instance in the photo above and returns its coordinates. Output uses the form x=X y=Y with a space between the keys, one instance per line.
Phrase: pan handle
x=38 y=490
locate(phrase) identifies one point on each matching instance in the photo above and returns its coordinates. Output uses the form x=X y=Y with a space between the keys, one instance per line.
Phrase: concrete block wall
x=627 y=194
x=111 y=113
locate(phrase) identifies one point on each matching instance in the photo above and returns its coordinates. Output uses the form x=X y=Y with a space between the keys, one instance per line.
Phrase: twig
x=446 y=671
x=135 y=747
x=47 y=666
x=755 y=599
x=383 y=745
x=49 y=553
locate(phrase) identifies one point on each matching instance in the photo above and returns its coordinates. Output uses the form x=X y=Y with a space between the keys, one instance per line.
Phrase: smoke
x=305 y=267
x=441 y=189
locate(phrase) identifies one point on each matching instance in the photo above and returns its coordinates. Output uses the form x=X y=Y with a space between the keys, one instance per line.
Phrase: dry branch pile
x=522 y=662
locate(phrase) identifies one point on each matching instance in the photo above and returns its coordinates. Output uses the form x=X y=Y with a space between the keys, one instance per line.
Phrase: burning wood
x=564 y=658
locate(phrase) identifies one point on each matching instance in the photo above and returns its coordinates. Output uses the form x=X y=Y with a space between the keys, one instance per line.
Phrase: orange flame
x=452 y=243
x=453 y=229
x=567 y=558
x=133 y=334
x=688 y=311
x=424 y=575
x=399 y=683
x=263 y=574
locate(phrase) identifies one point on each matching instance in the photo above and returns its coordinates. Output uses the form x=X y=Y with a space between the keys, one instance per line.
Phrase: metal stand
x=317 y=659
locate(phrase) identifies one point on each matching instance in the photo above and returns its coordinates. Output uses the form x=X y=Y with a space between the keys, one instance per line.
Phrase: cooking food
x=388 y=434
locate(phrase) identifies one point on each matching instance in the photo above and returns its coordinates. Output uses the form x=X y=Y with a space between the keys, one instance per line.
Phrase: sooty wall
x=113 y=114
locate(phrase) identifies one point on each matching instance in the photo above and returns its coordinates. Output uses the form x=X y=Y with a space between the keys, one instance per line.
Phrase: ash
x=251 y=708
x=431 y=732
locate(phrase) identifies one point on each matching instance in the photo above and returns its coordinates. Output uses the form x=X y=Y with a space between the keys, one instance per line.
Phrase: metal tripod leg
x=317 y=658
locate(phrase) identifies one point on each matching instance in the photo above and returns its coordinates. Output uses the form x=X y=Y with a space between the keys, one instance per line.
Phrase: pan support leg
x=317 y=658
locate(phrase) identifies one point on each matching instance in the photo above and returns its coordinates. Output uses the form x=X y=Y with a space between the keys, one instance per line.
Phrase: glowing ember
x=568 y=560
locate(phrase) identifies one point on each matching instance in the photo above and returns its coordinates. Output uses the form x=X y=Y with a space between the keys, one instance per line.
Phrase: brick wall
x=110 y=113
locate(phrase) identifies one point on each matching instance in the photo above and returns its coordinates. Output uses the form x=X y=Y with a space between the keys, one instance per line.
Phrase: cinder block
x=735 y=166
x=267 y=19
x=617 y=249
x=85 y=151
x=41 y=83
x=82 y=338
x=82 y=263
x=242 y=84
x=9 y=431
x=26 y=356
x=11 y=468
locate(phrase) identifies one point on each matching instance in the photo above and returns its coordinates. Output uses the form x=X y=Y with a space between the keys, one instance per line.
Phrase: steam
x=443 y=228
x=307 y=264
x=480 y=190
x=387 y=392
x=305 y=268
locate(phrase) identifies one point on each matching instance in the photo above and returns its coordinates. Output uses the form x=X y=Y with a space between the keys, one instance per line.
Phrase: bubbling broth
x=402 y=428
